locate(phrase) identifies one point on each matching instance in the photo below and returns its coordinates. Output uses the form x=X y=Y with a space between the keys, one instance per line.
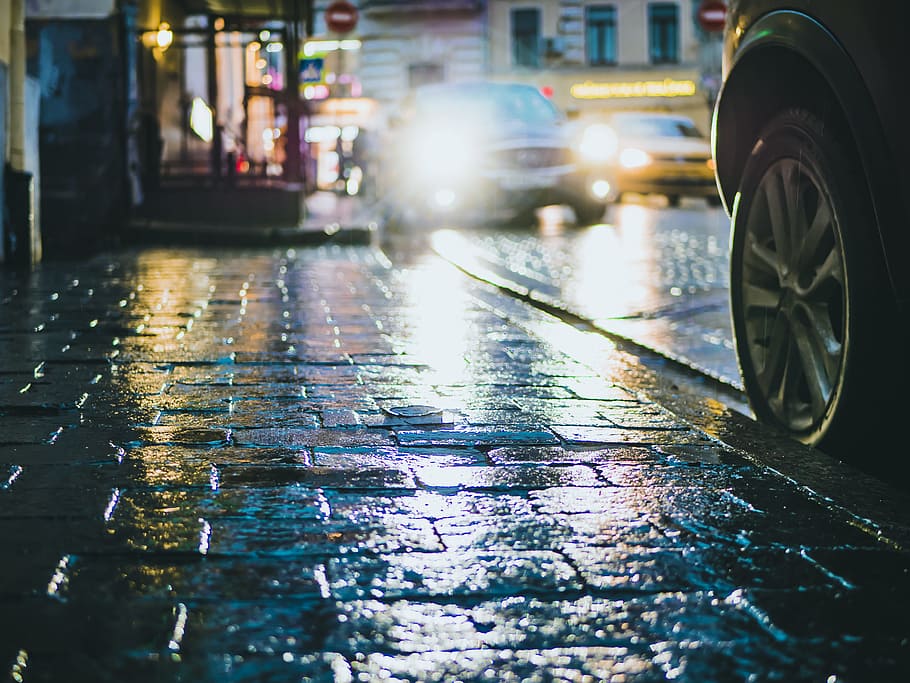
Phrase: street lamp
x=164 y=36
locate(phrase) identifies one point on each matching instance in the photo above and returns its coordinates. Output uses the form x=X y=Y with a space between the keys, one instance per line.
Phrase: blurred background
x=230 y=110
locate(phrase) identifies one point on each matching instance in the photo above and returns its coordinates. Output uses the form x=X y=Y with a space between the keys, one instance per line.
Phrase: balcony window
x=526 y=37
x=663 y=32
x=600 y=34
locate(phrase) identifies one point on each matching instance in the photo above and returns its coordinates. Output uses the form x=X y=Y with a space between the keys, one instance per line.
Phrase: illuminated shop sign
x=668 y=87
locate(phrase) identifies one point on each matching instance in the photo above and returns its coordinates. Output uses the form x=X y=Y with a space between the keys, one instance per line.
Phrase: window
x=526 y=37
x=600 y=34
x=423 y=73
x=663 y=32
x=639 y=126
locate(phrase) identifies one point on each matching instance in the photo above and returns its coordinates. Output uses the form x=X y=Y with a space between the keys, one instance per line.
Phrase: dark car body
x=853 y=53
x=483 y=150
x=810 y=146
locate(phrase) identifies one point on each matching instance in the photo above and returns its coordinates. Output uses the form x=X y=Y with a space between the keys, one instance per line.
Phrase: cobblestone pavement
x=312 y=465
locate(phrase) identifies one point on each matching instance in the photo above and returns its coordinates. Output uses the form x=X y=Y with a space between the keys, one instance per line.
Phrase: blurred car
x=811 y=144
x=484 y=151
x=651 y=153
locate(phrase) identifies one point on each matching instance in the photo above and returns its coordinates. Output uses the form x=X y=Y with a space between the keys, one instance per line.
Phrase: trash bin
x=17 y=236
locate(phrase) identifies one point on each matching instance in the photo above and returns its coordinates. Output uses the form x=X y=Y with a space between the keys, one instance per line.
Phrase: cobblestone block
x=319 y=477
x=559 y=455
x=290 y=436
x=658 y=475
x=15 y=431
x=523 y=665
x=184 y=436
x=701 y=454
x=419 y=503
x=451 y=573
x=340 y=417
x=631 y=436
x=387 y=456
x=502 y=533
x=479 y=436
x=506 y=478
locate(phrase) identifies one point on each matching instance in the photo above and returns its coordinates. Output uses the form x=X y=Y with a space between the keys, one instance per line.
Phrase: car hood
x=670 y=146
x=505 y=133
x=511 y=134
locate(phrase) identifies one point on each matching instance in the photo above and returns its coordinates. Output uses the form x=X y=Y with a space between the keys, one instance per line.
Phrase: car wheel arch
x=812 y=70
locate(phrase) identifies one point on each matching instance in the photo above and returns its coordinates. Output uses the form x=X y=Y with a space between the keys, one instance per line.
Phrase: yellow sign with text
x=668 y=87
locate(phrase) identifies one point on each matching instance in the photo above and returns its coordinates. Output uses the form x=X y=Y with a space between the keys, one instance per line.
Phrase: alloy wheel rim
x=794 y=295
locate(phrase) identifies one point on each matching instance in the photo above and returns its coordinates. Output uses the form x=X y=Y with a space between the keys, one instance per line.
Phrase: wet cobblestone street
x=285 y=465
x=655 y=275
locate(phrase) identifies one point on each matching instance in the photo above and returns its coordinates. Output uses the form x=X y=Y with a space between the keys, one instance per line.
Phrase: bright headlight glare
x=600 y=188
x=444 y=198
x=632 y=157
x=598 y=142
x=437 y=151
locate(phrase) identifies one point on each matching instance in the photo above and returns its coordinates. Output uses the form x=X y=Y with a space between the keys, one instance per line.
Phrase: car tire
x=587 y=213
x=673 y=200
x=810 y=301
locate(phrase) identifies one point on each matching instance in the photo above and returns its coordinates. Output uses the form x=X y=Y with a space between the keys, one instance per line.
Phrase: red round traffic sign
x=711 y=15
x=341 y=16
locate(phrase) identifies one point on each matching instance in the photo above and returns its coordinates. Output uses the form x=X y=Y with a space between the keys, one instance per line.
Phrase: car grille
x=532 y=157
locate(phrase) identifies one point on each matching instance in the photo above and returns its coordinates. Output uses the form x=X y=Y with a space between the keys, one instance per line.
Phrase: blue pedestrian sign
x=312 y=70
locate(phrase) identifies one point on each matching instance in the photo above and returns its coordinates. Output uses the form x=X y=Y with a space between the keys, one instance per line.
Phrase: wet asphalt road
x=322 y=465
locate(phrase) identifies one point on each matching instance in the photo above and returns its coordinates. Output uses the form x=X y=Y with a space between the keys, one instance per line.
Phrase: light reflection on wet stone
x=412 y=458
x=506 y=478
x=455 y=573
x=479 y=436
x=590 y=455
x=185 y=436
x=660 y=435
x=534 y=666
x=232 y=454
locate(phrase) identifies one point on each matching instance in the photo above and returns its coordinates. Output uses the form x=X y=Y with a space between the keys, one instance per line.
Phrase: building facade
x=364 y=74
x=589 y=56
x=596 y=56
x=398 y=45
x=20 y=237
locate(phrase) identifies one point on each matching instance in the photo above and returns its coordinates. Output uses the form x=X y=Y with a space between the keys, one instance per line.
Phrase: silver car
x=485 y=151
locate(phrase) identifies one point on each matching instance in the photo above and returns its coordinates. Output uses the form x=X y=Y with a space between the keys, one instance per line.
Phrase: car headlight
x=632 y=157
x=598 y=143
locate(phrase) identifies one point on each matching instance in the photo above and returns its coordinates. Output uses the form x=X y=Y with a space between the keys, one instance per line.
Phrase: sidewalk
x=307 y=464
x=328 y=218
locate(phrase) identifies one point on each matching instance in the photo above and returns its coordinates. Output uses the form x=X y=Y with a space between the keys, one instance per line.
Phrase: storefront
x=341 y=122
x=339 y=140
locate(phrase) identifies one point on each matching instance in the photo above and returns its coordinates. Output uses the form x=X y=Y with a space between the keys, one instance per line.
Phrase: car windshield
x=661 y=127
x=489 y=102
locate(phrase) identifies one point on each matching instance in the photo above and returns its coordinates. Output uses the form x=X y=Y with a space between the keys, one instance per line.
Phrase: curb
x=186 y=233
x=527 y=289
